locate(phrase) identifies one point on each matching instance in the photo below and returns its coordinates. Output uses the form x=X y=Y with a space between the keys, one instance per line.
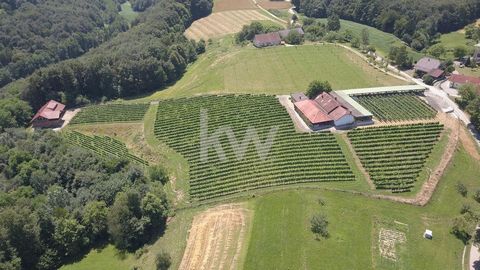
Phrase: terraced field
x=293 y=157
x=396 y=106
x=395 y=155
x=103 y=145
x=223 y=23
x=111 y=113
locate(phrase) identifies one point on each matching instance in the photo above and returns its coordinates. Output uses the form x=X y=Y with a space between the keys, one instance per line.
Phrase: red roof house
x=457 y=80
x=49 y=116
x=324 y=111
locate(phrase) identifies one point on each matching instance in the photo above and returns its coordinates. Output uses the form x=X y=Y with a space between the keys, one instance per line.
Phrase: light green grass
x=382 y=41
x=281 y=238
x=455 y=39
x=127 y=12
x=106 y=258
x=226 y=68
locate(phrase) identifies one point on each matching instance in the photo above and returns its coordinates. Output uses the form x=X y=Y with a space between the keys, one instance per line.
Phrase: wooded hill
x=415 y=22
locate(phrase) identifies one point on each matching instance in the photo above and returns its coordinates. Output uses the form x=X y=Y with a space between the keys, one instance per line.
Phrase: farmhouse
x=265 y=40
x=49 y=116
x=457 y=80
x=429 y=66
x=323 y=112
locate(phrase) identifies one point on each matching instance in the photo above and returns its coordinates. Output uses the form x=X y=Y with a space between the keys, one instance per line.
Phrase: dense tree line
x=415 y=22
x=34 y=34
x=151 y=55
x=57 y=201
x=470 y=102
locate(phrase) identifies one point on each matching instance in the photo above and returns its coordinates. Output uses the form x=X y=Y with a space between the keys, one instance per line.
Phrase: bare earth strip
x=226 y=5
x=268 y=4
x=216 y=238
x=223 y=23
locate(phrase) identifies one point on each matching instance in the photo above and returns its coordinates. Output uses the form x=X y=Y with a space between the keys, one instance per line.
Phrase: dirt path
x=358 y=162
x=216 y=238
x=299 y=124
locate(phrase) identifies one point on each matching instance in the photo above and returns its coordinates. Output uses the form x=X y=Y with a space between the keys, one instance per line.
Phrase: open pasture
x=396 y=106
x=110 y=113
x=276 y=70
x=395 y=155
x=223 y=23
x=294 y=158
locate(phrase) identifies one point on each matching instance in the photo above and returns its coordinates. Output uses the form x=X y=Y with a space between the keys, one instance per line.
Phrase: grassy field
x=105 y=258
x=227 y=68
x=381 y=40
x=281 y=238
x=127 y=12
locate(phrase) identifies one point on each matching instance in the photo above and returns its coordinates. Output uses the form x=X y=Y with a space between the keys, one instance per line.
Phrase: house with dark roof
x=323 y=112
x=268 y=39
x=429 y=66
x=49 y=116
x=457 y=80
x=295 y=97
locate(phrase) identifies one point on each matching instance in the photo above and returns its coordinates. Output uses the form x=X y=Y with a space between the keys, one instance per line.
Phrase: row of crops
x=293 y=158
x=395 y=155
x=104 y=146
x=111 y=113
x=396 y=106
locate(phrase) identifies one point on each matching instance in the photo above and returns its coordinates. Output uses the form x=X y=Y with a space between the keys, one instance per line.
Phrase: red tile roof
x=462 y=79
x=338 y=113
x=327 y=102
x=51 y=110
x=312 y=111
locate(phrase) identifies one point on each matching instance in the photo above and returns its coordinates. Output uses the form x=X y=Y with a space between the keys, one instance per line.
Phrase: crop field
x=293 y=158
x=223 y=23
x=226 y=5
x=111 y=113
x=394 y=155
x=277 y=70
x=103 y=146
x=396 y=106
x=269 y=4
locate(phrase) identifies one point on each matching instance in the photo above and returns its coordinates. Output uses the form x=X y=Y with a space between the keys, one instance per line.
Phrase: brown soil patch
x=223 y=23
x=225 y=5
x=268 y=4
x=469 y=143
x=216 y=238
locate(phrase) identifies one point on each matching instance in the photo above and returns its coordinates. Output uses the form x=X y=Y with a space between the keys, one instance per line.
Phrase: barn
x=427 y=65
x=268 y=39
x=49 y=116
x=324 y=111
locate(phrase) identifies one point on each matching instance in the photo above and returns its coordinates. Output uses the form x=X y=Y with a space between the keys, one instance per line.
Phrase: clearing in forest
x=223 y=23
x=216 y=238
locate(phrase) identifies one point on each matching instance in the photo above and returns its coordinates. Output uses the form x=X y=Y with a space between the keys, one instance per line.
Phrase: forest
x=34 y=34
x=418 y=23
x=57 y=201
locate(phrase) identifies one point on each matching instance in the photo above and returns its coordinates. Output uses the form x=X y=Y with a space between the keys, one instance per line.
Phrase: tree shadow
x=476 y=265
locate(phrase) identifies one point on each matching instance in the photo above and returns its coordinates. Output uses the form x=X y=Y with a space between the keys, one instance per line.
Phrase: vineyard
x=111 y=113
x=293 y=157
x=103 y=146
x=396 y=106
x=395 y=155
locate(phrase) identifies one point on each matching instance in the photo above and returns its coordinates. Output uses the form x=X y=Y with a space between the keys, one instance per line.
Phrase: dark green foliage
x=399 y=56
x=34 y=34
x=294 y=38
x=318 y=225
x=158 y=173
x=249 y=31
x=317 y=87
x=314 y=30
x=163 y=261
x=461 y=229
x=415 y=22
x=428 y=79
x=14 y=113
x=333 y=23
x=56 y=200
x=149 y=56
x=461 y=189
x=466 y=208
x=476 y=195
x=470 y=101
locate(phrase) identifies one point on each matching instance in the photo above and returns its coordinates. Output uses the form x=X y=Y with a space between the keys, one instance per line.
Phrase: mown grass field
x=227 y=68
x=381 y=40
x=281 y=237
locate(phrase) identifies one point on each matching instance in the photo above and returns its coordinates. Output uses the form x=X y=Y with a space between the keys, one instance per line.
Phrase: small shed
x=428 y=234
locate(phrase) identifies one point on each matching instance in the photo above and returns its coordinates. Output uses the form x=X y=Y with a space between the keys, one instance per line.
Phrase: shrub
x=294 y=38
x=466 y=208
x=317 y=87
x=428 y=79
x=157 y=173
x=476 y=195
x=319 y=224
x=461 y=189
x=163 y=261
